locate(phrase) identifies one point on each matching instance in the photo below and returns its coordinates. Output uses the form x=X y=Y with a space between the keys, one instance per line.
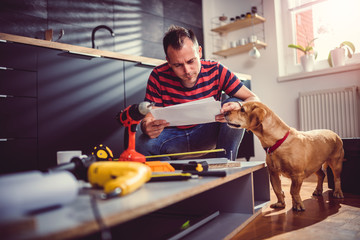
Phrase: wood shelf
x=239 y=24
x=240 y=49
x=80 y=50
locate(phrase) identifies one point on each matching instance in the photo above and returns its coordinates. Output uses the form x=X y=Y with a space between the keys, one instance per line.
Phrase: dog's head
x=250 y=116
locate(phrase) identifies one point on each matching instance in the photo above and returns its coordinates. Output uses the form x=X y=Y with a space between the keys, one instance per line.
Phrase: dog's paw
x=278 y=205
x=318 y=192
x=299 y=207
x=338 y=194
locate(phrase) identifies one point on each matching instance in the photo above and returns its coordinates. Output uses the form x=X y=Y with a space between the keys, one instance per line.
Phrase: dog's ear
x=256 y=117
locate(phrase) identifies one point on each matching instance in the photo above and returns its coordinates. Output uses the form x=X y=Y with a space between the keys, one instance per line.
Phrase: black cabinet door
x=18 y=107
x=78 y=98
x=18 y=117
x=18 y=154
x=18 y=83
x=17 y=56
x=136 y=77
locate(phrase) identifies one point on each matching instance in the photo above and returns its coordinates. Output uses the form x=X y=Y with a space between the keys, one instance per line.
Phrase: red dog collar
x=269 y=150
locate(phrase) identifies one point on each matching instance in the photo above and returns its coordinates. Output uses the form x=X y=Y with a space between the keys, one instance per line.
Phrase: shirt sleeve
x=153 y=89
x=229 y=81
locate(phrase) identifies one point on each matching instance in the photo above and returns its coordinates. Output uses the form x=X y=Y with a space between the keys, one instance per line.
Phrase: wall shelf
x=240 y=49
x=239 y=24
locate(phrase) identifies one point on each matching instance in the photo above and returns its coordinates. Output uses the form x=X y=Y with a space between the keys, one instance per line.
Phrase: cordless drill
x=117 y=178
x=130 y=118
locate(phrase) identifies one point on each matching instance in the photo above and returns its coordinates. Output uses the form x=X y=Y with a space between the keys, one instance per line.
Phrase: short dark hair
x=175 y=37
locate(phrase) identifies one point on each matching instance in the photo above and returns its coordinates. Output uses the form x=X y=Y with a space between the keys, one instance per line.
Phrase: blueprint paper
x=195 y=112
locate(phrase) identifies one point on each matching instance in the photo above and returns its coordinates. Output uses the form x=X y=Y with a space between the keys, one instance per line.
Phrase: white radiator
x=334 y=109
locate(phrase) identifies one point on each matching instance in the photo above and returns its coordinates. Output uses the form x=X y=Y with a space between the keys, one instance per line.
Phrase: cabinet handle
x=85 y=54
x=5 y=96
x=6 y=68
x=4 y=139
x=147 y=64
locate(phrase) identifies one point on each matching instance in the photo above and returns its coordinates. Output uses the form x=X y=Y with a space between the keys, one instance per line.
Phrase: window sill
x=321 y=72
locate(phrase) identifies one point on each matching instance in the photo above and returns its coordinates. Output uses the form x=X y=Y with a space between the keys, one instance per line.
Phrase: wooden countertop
x=79 y=49
x=77 y=219
x=91 y=51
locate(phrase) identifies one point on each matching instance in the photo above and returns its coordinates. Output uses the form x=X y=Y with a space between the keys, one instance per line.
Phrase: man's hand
x=152 y=127
x=227 y=107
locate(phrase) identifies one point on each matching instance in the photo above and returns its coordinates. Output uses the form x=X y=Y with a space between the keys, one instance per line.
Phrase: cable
x=104 y=230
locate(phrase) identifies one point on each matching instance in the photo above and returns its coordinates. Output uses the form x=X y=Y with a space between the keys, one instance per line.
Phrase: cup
x=254 y=53
x=252 y=38
x=66 y=156
x=242 y=41
x=233 y=44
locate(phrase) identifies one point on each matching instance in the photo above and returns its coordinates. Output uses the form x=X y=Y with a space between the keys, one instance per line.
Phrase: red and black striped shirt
x=164 y=88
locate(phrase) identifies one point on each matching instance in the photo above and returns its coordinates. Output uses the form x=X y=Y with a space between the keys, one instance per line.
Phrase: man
x=185 y=77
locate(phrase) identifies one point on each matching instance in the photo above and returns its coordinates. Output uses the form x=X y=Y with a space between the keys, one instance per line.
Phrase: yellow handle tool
x=120 y=178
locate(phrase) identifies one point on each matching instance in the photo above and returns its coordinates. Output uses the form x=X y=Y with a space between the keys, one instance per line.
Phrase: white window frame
x=289 y=37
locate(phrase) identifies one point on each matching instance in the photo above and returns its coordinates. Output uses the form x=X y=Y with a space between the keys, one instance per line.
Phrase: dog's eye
x=242 y=109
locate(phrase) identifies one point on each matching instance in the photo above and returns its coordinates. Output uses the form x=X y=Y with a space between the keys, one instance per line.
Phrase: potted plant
x=308 y=59
x=337 y=56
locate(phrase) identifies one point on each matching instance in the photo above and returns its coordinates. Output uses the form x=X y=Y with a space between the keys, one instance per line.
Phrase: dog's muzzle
x=229 y=123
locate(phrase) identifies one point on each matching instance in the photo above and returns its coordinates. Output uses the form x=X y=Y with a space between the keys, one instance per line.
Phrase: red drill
x=130 y=118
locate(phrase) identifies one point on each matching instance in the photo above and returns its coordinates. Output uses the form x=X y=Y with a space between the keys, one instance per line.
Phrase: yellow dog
x=291 y=153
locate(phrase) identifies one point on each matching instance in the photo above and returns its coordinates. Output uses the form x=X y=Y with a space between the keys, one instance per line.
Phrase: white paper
x=195 y=112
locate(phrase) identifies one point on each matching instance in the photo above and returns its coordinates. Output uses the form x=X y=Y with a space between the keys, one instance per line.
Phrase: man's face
x=185 y=62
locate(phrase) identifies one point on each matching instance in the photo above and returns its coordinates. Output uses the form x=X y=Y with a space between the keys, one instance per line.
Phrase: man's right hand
x=152 y=127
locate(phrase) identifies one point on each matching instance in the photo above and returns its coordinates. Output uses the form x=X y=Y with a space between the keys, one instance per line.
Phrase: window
x=330 y=22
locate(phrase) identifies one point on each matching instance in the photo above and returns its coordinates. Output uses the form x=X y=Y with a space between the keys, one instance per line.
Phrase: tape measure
x=103 y=153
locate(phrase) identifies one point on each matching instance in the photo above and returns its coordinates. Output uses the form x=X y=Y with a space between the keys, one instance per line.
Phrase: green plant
x=308 y=49
x=349 y=48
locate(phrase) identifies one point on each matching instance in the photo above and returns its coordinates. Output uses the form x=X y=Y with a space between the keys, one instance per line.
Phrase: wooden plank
x=72 y=48
x=240 y=49
x=239 y=24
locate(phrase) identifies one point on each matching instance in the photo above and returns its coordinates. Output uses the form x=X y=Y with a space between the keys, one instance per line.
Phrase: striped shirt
x=164 y=88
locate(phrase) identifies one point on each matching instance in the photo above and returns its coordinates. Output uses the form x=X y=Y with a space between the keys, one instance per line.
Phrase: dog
x=291 y=153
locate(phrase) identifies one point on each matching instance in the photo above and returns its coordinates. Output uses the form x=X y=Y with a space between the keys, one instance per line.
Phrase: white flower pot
x=307 y=62
x=338 y=57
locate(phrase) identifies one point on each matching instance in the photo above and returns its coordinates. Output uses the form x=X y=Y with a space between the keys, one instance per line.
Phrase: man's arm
x=244 y=94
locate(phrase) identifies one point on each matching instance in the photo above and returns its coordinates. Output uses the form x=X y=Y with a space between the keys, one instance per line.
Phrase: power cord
x=104 y=230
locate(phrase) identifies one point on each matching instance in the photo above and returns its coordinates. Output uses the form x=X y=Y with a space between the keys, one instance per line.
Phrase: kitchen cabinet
x=58 y=97
x=18 y=107
x=136 y=75
x=78 y=97
x=236 y=25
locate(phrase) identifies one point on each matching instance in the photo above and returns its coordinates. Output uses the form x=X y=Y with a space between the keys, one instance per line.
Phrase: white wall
x=281 y=97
